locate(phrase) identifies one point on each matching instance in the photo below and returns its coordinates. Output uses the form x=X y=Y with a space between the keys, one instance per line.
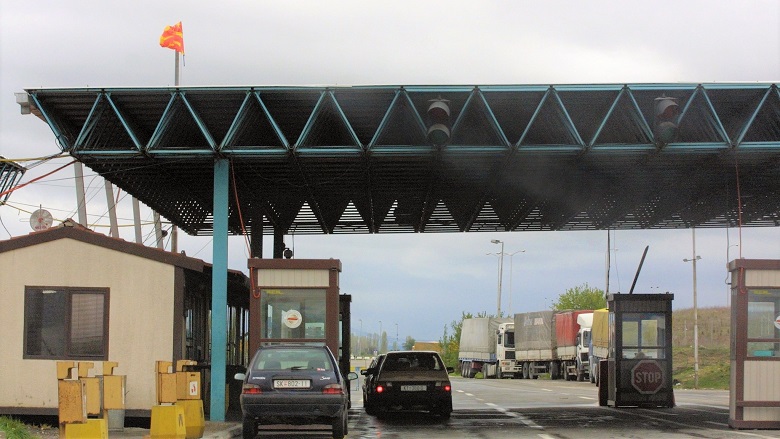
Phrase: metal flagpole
x=174 y=229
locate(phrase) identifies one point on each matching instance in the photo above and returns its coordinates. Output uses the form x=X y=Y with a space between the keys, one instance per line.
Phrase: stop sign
x=647 y=377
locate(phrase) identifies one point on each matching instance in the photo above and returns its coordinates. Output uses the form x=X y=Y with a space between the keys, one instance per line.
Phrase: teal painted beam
x=219 y=290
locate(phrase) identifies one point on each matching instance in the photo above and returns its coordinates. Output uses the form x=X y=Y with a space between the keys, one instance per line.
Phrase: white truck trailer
x=487 y=345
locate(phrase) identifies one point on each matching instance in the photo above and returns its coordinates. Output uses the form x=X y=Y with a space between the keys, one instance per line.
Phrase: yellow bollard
x=92 y=429
x=194 y=420
x=168 y=422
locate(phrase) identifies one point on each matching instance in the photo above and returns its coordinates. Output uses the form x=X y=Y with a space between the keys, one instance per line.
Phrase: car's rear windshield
x=412 y=361
x=295 y=359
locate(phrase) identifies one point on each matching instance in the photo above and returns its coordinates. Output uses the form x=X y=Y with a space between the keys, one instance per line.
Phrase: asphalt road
x=543 y=409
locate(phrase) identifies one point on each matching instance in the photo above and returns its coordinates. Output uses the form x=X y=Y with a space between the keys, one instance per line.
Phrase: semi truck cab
x=583 y=354
x=505 y=351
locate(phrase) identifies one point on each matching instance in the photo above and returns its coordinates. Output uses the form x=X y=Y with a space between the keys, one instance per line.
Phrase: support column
x=278 y=244
x=111 y=209
x=80 y=202
x=256 y=239
x=158 y=231
x=219 y=290
x=139 y=239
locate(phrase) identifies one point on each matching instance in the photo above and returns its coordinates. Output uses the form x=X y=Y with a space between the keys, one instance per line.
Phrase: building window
x=763 y=323
x=644 y=335
x=291 y=313
x=66 y=323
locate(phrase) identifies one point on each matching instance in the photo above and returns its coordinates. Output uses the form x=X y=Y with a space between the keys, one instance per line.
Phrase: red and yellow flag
x=173 y=38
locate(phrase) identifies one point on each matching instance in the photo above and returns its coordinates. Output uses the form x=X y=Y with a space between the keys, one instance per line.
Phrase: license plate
x=414 y=388
x=292 y=384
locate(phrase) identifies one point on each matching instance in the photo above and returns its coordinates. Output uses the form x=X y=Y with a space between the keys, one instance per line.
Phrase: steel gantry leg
x=219 y=290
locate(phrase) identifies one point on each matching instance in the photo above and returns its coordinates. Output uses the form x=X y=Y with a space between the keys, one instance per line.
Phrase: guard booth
x=638 y=371
x=754 y=392
x=298 y=301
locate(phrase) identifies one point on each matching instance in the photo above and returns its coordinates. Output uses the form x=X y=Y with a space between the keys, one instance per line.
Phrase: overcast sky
x=419 y=282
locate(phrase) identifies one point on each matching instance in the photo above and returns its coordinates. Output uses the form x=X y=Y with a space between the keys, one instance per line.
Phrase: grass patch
x=714 y=367
x=14 y=429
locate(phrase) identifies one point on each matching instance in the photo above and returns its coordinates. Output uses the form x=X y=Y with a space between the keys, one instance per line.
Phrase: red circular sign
x=647 y=377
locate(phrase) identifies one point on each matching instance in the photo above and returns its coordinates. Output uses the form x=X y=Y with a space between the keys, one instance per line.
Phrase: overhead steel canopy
x=313 y=160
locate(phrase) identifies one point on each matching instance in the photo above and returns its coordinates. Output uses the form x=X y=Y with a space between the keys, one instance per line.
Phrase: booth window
x=66 y=323
x=644 y=335
x=293 y=313
x=763 y=323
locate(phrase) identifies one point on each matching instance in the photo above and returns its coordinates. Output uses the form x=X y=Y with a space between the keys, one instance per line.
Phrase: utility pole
x=695 y=315
x=500 y=274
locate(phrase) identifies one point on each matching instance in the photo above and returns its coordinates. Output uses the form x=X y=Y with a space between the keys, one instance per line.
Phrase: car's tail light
x=380 y=388
x=444 y=386
x=251 y=389
x=333 y=389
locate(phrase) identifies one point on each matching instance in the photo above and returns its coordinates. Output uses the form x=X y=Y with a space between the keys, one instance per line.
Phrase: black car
x=370 y=376
x=410 y=380
x=294 y=384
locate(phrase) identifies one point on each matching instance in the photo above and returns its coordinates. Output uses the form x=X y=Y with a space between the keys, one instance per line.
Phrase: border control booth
x=638 y=371
x=754 y=391
x=298 y=301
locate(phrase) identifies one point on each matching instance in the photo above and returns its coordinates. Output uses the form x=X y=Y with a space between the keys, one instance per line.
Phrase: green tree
x=581 y=297
x=409 y=343
x=383 y=343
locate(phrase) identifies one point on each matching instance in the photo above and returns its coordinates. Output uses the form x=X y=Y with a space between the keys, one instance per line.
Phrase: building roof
x=320 y=160
x=70 y=229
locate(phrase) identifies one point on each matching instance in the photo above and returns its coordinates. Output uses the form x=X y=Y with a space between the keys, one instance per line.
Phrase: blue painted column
x=219 y=290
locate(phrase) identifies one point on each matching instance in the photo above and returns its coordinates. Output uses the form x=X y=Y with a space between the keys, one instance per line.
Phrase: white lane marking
x=545 y=436
x=528 y=423
x=588 y=398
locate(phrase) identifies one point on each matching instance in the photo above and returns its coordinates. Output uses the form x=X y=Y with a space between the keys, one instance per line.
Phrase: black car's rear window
x=412 y=361
x=295 y=359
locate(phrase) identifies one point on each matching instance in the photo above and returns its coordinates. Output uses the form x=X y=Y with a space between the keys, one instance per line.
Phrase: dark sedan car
x=410 y=380
x=294 y=384
x=370 y=376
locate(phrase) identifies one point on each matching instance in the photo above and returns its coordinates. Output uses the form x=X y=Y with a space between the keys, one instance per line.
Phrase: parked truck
x=599 y=340
x=553 y=342
x=487 y=345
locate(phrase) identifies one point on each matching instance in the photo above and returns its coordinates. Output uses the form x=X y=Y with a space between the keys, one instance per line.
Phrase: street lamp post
x=359 y=335
x=511 y=256
x=500 y=274
x=695 y=315
x=396 y=336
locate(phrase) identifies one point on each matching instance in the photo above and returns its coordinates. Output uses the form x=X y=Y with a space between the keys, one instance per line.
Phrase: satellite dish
x=41 y=219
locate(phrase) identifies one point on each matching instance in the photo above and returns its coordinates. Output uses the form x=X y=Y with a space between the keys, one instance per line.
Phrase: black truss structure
x=322 y=160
